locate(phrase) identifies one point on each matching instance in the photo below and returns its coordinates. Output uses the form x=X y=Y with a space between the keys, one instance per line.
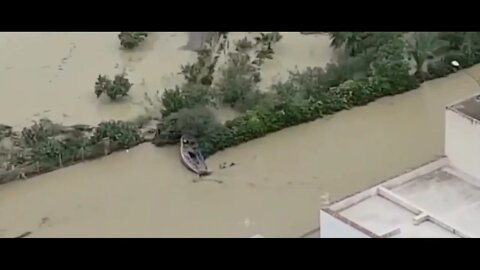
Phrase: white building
x=438 y=199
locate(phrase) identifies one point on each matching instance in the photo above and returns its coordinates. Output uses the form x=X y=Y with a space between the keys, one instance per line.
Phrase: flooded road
x=275 y=189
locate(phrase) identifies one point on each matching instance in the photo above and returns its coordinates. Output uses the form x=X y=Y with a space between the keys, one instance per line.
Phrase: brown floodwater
x=278 y=182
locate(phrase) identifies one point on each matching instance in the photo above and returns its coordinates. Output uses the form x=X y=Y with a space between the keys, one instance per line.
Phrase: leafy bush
x=5 y=131
x=53 y=152
x=38 y=132
x=190 y=95
x=350 y=41
x=424 y=46
x=316 y=82
x=197 y=121
x=49 y=153
x=237 y=84
x=243 y=45
x=268 y=38
x=120 y=134
x=201 y=72
x=454 y=39
x=439 y=68
x=130 y=40
x=198 y=72
x=390 y=64
x=358 y=43
x=115 y=89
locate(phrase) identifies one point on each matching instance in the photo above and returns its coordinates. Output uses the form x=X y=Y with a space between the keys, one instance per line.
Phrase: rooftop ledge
x=433 y=201
x=469 y=107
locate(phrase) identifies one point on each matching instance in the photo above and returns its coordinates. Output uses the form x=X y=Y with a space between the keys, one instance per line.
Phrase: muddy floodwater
x=278 y=182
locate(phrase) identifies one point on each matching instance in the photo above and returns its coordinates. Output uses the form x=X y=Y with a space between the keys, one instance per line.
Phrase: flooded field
x=275 y=189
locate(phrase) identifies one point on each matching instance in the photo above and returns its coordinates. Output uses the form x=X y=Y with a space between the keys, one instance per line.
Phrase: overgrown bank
x=375 y=65
x=307 y=95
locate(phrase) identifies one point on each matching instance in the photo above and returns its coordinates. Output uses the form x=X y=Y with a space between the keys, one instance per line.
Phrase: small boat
x=191 y=156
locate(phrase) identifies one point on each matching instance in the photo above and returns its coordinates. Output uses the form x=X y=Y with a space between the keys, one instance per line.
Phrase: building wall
x=462 y=142
x=331 y=227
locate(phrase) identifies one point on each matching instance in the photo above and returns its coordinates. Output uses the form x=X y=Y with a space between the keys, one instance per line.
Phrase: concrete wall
x=462 y=142
x=331 y=227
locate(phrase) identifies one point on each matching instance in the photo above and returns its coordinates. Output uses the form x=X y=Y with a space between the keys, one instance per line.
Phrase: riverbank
x=296 y=101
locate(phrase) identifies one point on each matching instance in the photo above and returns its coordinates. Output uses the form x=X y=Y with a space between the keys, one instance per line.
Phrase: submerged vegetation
x=46 y=146
x=130 y=40
x=375 y=65
x=115 y=89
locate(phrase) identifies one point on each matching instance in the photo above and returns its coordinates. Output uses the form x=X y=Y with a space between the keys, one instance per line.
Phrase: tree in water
x=351 y=41
x=423 y=46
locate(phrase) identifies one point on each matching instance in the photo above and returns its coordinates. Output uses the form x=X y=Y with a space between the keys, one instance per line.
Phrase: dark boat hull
x=192 y=158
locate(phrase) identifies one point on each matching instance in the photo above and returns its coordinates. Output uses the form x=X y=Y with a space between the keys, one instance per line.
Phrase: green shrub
x=49 y=153
x=454 y=39
x=5 y=131
x=40 y=131
x=439 y=68
x=243 y=45
x=237 y=84
x=130 y=40
x=52 y=153
x=390 y=63
x=188 y=96
x=121 y=134
x=291 y=107
x=197 y=121
x=268 y=38
x=115 y=89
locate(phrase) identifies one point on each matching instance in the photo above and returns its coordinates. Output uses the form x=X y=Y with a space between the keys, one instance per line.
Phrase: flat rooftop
x=469 y=107
x=433 y=201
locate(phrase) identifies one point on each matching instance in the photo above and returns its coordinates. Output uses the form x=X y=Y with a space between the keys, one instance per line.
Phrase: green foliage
x=188 y=96
x=118 y=133
x=454 y=39
x=130 y=40
x=115 y=89
x=238 y=81
x=439 y=68
x=268 y=38
x=38 y=132
x=244 y=45
x=264 y=44
x=358 y=43
x=201 y=72
x=351 y=41
x=316 y=82
x=390 y=64
x=316 y=92
x=378 y=69
x=52 y=152
x=5 y=131
x=423 y=46
x=197 y=121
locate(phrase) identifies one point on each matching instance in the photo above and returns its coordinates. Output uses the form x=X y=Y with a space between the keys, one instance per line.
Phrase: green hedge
x=51 y=146
x=317 y=92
